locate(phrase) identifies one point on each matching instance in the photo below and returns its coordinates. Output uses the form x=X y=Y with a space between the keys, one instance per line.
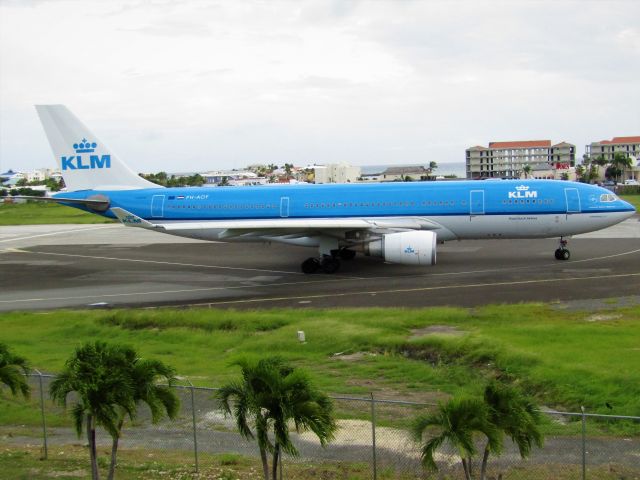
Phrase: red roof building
x=629 y=146
x=515 y=159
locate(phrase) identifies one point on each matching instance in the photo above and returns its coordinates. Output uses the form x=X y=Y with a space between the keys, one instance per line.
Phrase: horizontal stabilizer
x=100 y=204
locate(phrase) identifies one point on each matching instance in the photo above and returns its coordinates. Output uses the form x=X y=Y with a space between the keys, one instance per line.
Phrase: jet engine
x=407 y=248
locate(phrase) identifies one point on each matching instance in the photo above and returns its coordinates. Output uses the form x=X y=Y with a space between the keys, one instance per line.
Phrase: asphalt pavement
x=70 y=266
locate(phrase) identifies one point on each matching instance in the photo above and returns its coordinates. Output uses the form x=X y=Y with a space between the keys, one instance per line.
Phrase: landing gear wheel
x=330 y=264
x=310 y=265
x=562 y=253
x=346 y=254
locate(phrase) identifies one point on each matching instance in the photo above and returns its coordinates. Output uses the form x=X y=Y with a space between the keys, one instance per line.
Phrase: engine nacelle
x=407 y=248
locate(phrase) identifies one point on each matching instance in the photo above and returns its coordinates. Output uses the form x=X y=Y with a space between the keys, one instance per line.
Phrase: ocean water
x=454 y=168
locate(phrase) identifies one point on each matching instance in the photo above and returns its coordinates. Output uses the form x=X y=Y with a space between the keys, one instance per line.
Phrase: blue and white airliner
x=400 y=222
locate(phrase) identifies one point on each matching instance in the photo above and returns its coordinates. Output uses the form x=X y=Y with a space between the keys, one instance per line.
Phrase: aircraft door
x=157 y=206
x=284 y=207
x=476 y=202
x=573 y=200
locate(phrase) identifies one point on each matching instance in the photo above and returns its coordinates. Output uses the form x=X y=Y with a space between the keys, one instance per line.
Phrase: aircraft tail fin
x=84 y=161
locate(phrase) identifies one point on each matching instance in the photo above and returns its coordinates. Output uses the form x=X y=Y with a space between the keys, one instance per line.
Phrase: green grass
x=633 y=200
x=72 y=462
x=34 y=213
x=562 y=358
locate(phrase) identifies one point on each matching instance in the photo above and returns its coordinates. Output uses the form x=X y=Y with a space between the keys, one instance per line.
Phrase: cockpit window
x=608 y=197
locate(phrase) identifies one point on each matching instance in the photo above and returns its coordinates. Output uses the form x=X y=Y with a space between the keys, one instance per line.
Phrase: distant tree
x=288 y=167
x=271 y=395
x=224 y=182
x=527 y=170
x=564 y=176
x=407 y=178
x=621 y=162
x=26 y=191
x=13 y=369
x=600 y=161
x=581 y=173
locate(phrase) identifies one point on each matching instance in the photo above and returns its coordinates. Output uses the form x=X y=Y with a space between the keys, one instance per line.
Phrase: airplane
x=399 y=222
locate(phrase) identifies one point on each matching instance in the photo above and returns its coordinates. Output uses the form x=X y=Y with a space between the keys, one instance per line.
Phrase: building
x=608 y=148
x=337 y=173
x=400 y=174
x=509 y=159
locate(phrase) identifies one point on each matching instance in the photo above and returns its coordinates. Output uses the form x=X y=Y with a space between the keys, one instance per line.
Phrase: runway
x=75 y=266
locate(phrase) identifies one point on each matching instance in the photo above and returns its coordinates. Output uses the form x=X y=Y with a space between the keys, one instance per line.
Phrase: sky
x=194 y=85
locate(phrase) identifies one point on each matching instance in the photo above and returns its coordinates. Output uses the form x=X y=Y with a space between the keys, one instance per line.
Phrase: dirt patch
x=603 y=317
x=447 y=330
x=75 y=473
x=351 y=357
x=386 y=393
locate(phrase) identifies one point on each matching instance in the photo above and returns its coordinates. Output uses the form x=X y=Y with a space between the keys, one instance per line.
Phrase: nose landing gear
x=562 y=253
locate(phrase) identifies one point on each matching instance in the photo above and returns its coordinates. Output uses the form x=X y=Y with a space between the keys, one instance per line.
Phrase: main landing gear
x=562 y=253
x=327 y=263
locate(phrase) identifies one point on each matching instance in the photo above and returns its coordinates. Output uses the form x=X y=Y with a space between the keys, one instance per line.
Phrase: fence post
x=584 y=444
x=44 y=420
x=193 y=418
x=373 y=435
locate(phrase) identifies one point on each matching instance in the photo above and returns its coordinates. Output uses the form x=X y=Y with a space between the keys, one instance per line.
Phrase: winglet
x=128 y=219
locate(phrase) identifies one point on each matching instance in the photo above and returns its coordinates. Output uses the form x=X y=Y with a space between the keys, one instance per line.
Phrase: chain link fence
x=373 y=437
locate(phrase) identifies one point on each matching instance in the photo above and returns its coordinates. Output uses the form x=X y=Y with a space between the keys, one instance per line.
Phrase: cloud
x=228 y=83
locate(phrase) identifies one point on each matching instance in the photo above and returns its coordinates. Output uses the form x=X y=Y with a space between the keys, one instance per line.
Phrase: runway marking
x=178 y=264
x=308 y=297
x=412 y=290
x=56 y=233
x=186 y=290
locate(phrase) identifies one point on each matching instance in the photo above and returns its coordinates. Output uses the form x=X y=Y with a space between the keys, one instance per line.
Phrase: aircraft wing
x=280 y=226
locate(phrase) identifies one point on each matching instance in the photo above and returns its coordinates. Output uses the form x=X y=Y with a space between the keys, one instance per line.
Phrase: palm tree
x=13 y=369
x=160 y=399
x=527 y=171
x=514 y=415
x=272 y=394
x=620 y=164
x=457 y=421
x=96 y=373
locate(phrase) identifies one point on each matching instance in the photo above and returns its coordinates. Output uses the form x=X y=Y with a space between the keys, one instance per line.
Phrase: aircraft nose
x=629 y=209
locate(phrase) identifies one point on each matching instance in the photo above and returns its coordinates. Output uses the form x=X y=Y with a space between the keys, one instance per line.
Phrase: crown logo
x=84 y=146
x=522 y=188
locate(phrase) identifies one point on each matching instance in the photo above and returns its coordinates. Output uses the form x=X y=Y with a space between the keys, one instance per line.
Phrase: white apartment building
x=337 y=173
x=630 y=146
x=509 y=159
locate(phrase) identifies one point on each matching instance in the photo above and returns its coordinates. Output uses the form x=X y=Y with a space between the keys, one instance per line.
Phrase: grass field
x=565 y=359
x=32 y=213
x=633 y=200
x=71 y=462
